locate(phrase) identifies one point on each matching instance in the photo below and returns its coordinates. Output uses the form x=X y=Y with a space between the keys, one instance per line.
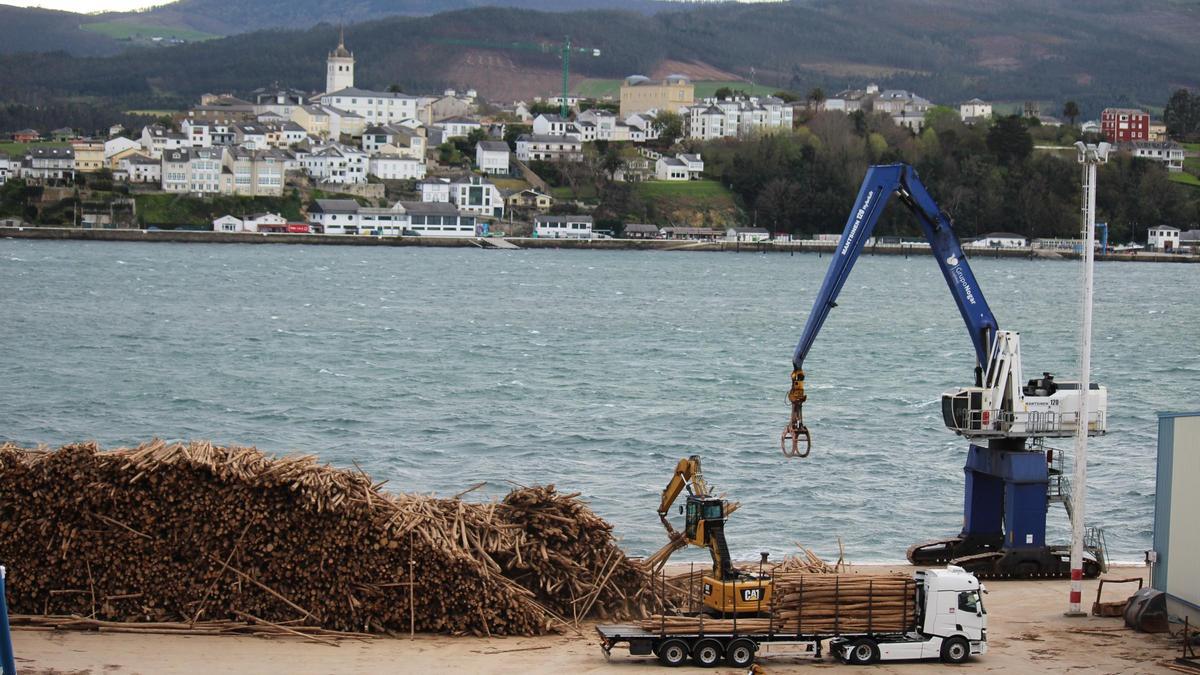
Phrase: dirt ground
x=1027 y=630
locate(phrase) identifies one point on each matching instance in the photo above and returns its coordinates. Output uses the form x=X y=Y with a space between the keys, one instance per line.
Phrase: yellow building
x=640 y=93
x=89 y=156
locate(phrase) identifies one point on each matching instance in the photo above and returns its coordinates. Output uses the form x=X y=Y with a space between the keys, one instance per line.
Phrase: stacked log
x=190 y=533
x=816 y=604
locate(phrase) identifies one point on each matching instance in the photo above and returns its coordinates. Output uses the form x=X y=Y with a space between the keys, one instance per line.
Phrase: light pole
x=1090 y=155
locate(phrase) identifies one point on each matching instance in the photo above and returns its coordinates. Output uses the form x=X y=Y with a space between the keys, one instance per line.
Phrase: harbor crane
x=565 y=49
x=1006 y=418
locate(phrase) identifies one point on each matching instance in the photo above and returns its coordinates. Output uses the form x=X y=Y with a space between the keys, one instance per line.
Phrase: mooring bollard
x=6 y=649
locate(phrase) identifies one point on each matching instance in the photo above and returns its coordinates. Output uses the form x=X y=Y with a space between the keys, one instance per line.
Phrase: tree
x=723 y=92
x=1071 y=111
x=786 y=96
x=1182 y=115
x=816 y=96
x=395 y=88
x=1009 y=140
x=670 y=127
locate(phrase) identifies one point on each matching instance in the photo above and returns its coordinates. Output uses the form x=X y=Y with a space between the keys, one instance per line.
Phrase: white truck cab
x=952 y=623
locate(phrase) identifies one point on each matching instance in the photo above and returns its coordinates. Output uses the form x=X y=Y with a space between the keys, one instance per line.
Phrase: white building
x=141 y=169
x=336 y=163
x=737 y=117
x=395 y=167
x=47 y=165
x=670 y=168
x=5 y=168
x=377 y=107
x=694 y=164
x=550 y=125
x=394 y=139
x=157 y=139
x=747 y=234
x=229 y=223
x=457 y=127
x=432 y=219
x=256 y=173
x=119 y=144
x=1163 y=238
x=262 y=222
x=998 y=240
x=492 y=157
x=975 y=110
x=193 y=170
x=250 y=136
x=1169 y=153
x=472 y=194
x=339 y=67
x=562 y=227
x=550 y=148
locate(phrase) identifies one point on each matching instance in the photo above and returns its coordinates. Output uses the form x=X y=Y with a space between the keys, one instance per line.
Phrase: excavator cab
x=699 y=512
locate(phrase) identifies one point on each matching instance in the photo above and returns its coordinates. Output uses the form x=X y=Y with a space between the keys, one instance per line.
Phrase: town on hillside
x=362 y=162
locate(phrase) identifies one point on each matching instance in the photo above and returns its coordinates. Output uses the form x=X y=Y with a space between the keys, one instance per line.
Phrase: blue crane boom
x=1008 y=468
x=880 y=184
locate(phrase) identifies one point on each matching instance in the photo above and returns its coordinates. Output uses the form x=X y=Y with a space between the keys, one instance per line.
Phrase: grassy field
x=121 y=31
x=516 y=184
x=692 y=189
x=602 y=88
x=14 y=149
x=151 y=113
x=1192 y=147
x=1185 y=178
x=708 y=88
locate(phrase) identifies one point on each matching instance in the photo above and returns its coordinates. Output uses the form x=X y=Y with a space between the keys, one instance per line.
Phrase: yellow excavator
x=727 y=591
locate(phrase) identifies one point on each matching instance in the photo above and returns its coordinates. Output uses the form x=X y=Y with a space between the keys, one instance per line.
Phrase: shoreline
x=818 y=247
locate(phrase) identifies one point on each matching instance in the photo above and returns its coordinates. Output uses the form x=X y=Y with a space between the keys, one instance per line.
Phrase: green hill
x=1107 y=53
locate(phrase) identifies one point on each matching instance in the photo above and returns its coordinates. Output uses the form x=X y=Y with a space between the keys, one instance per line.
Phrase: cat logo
x=707 y=589
x=751 y=595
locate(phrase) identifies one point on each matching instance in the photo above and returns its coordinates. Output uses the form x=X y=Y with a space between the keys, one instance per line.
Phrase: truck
x=950 y=623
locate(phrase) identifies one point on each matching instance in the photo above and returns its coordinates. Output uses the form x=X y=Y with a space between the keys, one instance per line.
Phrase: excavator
x=727 y=591
x=1010 y=474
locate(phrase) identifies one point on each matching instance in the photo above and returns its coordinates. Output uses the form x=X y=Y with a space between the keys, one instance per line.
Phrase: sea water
x=594 y=370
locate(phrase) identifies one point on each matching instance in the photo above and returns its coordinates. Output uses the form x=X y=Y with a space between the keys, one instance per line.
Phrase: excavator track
x=917 y=556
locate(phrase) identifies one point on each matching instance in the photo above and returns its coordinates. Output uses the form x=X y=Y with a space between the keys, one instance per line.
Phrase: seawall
x=205 y=237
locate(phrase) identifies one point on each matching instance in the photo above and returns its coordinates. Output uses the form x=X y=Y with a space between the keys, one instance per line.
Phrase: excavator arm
x=877 y=189
x=687 y=473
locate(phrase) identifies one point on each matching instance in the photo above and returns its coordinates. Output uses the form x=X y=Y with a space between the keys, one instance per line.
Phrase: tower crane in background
x=564 y=49
x=1010 y=475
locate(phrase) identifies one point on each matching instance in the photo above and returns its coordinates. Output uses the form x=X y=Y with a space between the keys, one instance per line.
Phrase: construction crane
x=1008 y=469
x=564 y=49
x=727 y=590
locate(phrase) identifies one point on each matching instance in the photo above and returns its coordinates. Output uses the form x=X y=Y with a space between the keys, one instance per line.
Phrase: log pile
x=824 y=604
x=196 y=534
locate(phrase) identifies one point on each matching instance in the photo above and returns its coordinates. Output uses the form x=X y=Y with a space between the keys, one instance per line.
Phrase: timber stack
x=188 y=533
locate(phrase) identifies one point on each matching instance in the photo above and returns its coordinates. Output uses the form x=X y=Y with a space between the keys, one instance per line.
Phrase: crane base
x=986 y=560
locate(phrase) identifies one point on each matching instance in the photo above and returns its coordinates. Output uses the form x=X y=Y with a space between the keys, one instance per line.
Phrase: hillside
x=29 y=29
x=1048 y=50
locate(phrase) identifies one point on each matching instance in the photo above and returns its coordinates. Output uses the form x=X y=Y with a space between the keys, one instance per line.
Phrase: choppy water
x=438 y=368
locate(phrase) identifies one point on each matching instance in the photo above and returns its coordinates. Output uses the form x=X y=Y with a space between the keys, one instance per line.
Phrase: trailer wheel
x=672 y=653
x=740 y=653
x=863 y=651
x=707 y=653
x=955 y=649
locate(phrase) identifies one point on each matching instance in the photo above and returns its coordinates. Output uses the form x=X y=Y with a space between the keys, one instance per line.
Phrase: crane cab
x=1006 y=407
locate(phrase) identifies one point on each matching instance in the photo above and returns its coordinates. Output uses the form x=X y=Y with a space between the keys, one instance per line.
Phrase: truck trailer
x=949 y=623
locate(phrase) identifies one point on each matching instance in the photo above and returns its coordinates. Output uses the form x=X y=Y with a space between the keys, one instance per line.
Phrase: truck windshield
x=969 y=601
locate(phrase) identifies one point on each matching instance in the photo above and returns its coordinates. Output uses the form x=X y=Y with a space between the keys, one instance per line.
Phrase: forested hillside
x=1103 y=54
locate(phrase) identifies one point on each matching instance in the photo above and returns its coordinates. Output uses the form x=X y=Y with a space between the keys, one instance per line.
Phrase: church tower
x=339 y=69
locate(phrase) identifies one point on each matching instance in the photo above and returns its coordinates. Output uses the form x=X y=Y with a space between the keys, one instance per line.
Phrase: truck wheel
x=955 y=649
x=740 y=653
x=707 y=653
x=672 y=653
x=863 y=651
